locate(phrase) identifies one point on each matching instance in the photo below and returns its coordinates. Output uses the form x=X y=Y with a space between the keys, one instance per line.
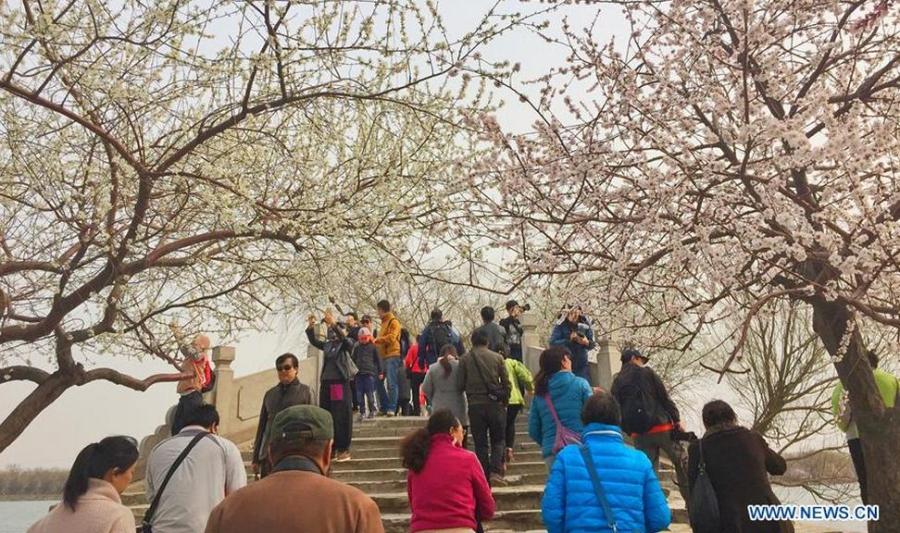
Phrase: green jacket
x=518 y=373
x=888 y=387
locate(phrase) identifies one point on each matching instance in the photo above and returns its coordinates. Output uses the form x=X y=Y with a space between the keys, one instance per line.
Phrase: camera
x=526 y=307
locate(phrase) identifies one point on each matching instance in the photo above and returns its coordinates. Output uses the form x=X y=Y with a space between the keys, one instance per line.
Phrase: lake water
x=16 y=517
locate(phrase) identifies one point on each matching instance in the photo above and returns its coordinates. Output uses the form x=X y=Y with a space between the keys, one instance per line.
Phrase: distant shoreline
x=29 y=497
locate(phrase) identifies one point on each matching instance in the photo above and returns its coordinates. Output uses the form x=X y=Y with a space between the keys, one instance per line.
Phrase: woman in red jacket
x=445 y=483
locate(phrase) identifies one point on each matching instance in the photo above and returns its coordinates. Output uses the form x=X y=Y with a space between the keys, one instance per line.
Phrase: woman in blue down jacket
x=637 y=502
x=568 y=394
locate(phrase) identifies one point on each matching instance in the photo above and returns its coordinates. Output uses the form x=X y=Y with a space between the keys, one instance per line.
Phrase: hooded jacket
x=631 y=487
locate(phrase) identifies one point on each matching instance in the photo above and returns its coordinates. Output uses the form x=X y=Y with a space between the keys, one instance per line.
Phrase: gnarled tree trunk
x=879 y=427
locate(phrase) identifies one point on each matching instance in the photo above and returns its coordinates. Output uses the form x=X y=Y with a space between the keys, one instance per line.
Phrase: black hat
x=510 y=304
x=630 y=353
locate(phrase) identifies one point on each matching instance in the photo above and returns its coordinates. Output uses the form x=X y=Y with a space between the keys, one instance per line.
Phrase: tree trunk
x=40 y=398
x=879 y=427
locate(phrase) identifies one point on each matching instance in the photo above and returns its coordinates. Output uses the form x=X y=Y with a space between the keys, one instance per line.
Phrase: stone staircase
x=376 y=470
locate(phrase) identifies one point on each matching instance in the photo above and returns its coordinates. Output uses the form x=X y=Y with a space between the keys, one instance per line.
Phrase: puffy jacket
x=568 y=393
x=365 y=356
x=518 y=373
x=631 y=487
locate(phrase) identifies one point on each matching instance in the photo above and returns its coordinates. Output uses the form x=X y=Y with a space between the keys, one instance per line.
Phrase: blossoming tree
x=727 y=148
x=194 y=161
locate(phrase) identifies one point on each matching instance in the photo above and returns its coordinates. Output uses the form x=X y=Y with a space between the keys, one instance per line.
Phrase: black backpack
x=637 y=408
x=440 y=337
x=703 y=510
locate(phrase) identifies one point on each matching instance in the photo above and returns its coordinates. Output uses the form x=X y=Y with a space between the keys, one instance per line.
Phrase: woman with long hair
x=442 y=388
x=446 y=485
x=91 y=503
x=559 y=396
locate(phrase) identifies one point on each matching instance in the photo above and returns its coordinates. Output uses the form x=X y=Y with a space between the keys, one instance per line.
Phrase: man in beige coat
x=297 y=495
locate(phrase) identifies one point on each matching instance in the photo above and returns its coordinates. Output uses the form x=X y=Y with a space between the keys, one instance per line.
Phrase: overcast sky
x=85 y=414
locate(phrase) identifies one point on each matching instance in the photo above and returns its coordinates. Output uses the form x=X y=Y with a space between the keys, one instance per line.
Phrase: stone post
x=531 y=342
x=603 y=370
x=224 y=395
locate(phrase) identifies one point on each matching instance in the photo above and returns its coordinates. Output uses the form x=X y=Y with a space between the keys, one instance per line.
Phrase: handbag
x=146 y=527
x=704 y=508
x=564 y=435
x=598 y=490
x=496 y=392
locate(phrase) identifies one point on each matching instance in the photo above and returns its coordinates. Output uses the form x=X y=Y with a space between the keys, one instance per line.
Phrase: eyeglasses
x=285 y=368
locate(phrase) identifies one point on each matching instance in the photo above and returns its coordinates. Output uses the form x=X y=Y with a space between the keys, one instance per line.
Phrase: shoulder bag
x=496 y=392
x=564 y=435
x=598 y=489
x=703 y=510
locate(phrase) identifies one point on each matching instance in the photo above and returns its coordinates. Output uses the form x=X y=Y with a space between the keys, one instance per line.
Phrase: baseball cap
x=510 y=304
x=303 y=422
x=630 y=353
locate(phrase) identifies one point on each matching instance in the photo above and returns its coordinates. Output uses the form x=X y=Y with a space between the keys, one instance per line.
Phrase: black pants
x=335 y=397
x=353 y=396
x=487 y=422
x=859 y=464
x=416 y=384
x=186 y=404
x=512 y=412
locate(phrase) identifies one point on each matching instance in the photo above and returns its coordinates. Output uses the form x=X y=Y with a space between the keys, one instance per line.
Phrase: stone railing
x=238 y=400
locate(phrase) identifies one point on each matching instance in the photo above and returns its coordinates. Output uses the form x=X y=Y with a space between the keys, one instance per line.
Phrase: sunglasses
x=285 y=368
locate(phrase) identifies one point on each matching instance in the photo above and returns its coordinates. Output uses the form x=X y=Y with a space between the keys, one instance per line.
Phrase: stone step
x=368 y=461
x=366 y=449
x=508 y=498
x=505 y=520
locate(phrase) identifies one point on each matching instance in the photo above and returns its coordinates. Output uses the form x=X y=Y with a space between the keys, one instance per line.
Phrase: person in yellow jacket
x=520 y=381
x=388 y=344
x=888 y=388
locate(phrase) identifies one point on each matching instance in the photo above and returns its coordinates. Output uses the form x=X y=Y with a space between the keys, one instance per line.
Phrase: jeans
x=512 y=412
x=365 y=393
x=334 y=397
x=388 y=396
x=859 y=464
x=487 y=423
x=652 y=443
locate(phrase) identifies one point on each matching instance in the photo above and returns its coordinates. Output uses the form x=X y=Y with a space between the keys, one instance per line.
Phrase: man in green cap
x=297 y=495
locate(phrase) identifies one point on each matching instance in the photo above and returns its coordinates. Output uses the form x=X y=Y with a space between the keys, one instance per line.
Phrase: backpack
x=703 y=510
x=440 y=336
x=637 y=409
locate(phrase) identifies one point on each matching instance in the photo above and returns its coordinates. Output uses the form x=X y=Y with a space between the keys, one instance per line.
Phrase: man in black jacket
x=648 y=413
x=288 y=392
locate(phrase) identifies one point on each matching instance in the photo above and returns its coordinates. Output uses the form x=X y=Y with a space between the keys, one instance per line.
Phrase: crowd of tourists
x=602 y=448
